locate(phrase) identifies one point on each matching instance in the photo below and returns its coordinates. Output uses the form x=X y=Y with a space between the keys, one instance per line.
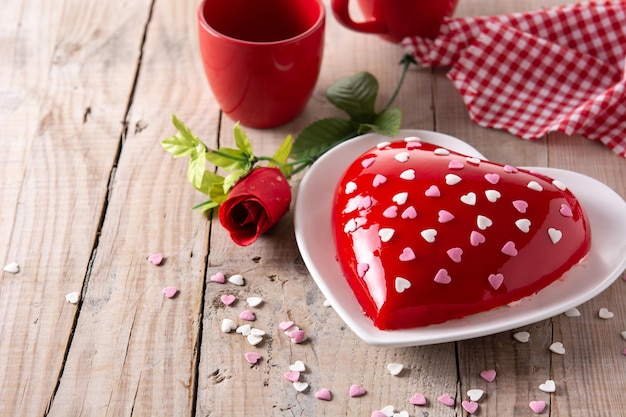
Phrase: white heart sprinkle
x=228 y=325
x=475 y=394
x=402 y=413
x=604 y=313
x=558 y=348
x=441 y=152
x=386 y=234
x=412 y=139
x=408 y=175
x=350 y=187
x=297 y=366
x=72 y=297
x=327 y=303
x=548 y=386
x=469 y=199
x=522 y=337
x=300 y=386
x=244 y=329
x=523 y=225
x=254 y=339
x=350 y=226
x=237 y=280
x=257 y=332
x=254 y=301
x=402 y=284
x=558 y=184
x=623 y=335
x=555 y=235
x=387 y=410
x=535 y=186
x=572 y=312
x=382 y=145
x=452 y=179
x=473 y=160
x=12 y=268
x=429 y=235
x=395 y=368
x=400 y=198
x=483 y=222
x=492 y=195
x=401 y=157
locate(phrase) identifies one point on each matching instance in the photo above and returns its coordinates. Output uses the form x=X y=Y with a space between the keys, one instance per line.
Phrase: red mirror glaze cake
x=425 y=235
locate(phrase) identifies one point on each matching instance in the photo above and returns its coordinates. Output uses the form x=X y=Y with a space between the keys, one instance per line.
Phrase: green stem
x=406 y=61
x=225 y=155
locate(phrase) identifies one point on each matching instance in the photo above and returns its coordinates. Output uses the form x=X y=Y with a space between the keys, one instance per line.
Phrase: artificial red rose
x=255 y=204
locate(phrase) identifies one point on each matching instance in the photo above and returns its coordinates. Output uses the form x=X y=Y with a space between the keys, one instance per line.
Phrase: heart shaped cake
x=425 y=235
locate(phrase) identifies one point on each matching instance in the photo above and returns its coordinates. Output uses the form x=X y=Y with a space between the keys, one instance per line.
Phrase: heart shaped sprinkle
x=357 y=391
x=72 y=297
x=469 y=406
x=535 y=186
x=291 y=330
x=496 y=280
x=297 y=366
x=476 y=238
x=254 y=301
x=469 y=199
x=300 y=386
x=604 y=313
x=445 y=216
x=218 y=277
x=473 y=160
x=408 y=175
x=557 y=348
x=442 y=277
x=418 y=399
x=572 y=312
x=323 y=394
x=456 y=164
x=537 y=406
x=247 y=315
x=387 y=410
x=548 y=386
x=509 y=249
x=475 y=394
x=362 y=268
x=446 y=399
x=156 y=259
x=452 y=179
x=297 y=336
x=391 y=212
x=402 y=157
x=558 y=184
x=252 y=357
x=292 y=376
x=409 y=213
x=386 y=234
x=522 y=337
x=402 y=284
x=284 y=325
x=395 y=368
x=170 y=292
x=366 y=163
x=623 y=335
x=12 y=268
x=378 y=413
x=488 y=375
x=566 y=211
x=433 y=191
x=400 y=198
x=429 y=235
x=228 y=325
x=441 y=152
x=228 y=299
x=455 y=254
x=407 y=255
x=237 y=280
x=523 y=225
x=244 y=329
x=520 y=205
x=492 y=178
x=254 y=339
x=402 y=413
x=257 y=332
x=510 y=169
x=383 y=145
x=492 y=195
x=555 y=235
x=483 y=222
x=379 y=180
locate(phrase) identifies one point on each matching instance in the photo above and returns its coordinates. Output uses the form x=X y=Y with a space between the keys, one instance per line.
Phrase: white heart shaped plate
x=605 y=262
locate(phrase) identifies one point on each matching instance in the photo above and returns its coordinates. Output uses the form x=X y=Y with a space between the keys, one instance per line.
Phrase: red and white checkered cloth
x=559 y=69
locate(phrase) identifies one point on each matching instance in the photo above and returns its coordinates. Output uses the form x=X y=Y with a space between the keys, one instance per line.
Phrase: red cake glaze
x=425 y=235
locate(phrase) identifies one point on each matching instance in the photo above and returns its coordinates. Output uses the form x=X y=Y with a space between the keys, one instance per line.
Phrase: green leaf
x=282 y=154
x=228 y=158
x=206 y=206
x=320 y=136
x=356 y=95
x=388 y=122
x=243 y=142
x=232 y=178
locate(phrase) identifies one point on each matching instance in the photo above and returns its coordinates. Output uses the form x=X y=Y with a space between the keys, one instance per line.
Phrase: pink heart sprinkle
x=445 y=216
x=442 y=277
x=433 y=191
x=510 y=170
x=413 y=144
x=378 y=413
x=624 y=351
x=509 y=249
x=470 y=406
x=445 y=399
x=409 y=213
x=455 y=254
x=418 y=399
x=520 y=205
x=566 y=211
x=407 y=255
x=219 y=278
x=537 y=406
x=156 y=259
x=365 y=203
x=284 y=325
x=476 y=238
x=488 y=375
x=496 y=280
x=357 y=391
x=492 y=178
x=297 y=336
x=323 y=394
x=228 y=299
x=391 y=212
x=366 y=163
x=292 y=376
x=456 y=164
x=247 y=315
x=362 y=268
x=170 y=292
x=252 y=357
x=379 y=180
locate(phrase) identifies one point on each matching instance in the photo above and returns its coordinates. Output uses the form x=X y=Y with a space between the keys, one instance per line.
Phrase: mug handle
x=342 y=13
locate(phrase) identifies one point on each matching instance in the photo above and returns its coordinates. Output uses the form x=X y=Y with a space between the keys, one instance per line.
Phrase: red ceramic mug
x=396 y=19
x=261 y=58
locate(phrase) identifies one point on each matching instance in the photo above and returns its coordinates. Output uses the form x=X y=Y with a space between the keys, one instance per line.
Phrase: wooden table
x=87 y=194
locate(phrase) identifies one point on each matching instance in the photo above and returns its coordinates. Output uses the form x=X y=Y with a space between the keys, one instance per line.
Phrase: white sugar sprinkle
x=441 y=152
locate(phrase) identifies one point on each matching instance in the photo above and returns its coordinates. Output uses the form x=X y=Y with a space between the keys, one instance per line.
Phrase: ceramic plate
x=606 y=211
